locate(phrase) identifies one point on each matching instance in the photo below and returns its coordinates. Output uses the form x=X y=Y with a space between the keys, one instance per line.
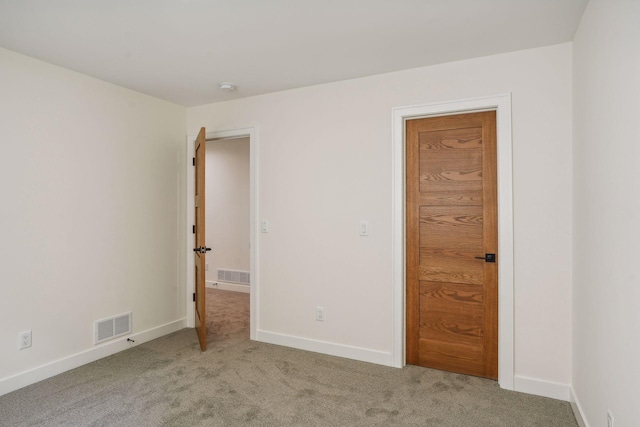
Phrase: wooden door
x=200 y=246
x=451 y=224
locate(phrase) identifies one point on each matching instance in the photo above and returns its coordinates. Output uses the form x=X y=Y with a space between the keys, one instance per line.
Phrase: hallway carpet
x=237 y=382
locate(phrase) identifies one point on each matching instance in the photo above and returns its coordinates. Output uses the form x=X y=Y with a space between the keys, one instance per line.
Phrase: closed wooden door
x=451 y=238
x=200 y=246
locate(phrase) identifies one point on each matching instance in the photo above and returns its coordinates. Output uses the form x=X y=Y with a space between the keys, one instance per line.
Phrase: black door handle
x=488 y=257
x=202 y=249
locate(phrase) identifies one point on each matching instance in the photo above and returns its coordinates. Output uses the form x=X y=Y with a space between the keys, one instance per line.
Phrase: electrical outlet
x=609 y=419
x=320 y=314
x=24 y=340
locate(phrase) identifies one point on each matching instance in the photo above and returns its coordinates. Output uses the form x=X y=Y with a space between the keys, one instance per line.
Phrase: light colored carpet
x=237 y=382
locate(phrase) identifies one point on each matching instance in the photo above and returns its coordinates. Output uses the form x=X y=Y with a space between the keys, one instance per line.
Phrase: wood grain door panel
x=451 y=311
x=453 y=357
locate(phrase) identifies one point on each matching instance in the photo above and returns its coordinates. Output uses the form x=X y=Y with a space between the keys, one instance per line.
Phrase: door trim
x=502 y=105
x=254 y=271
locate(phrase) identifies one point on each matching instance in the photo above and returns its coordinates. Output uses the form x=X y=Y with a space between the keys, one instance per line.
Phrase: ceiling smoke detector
x=227 y=87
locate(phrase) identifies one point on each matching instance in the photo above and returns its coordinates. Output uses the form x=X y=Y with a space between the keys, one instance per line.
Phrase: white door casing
x=502 y=105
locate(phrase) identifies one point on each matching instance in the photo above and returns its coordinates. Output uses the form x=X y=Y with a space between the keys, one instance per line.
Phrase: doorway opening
x=227 y=214
x=230 y=268
x=227 y=275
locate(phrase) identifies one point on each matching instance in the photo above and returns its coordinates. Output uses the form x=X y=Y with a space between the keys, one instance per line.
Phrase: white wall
x=227 y=205
x=91 y=212
x=325 y=164
x=606 y=314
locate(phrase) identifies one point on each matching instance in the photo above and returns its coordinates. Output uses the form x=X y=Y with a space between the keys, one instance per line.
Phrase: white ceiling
x=179 y=50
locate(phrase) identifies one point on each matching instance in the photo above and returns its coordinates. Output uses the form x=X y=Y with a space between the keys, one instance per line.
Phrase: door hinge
x=194 y=297
x=194 y=229
x=194 y=161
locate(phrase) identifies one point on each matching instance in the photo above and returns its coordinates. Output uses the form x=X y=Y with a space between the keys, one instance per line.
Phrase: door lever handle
x=201 y=249
x=488 y=257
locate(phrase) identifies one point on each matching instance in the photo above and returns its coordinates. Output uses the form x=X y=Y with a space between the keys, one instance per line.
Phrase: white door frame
x=502 y=105
x=252 y=134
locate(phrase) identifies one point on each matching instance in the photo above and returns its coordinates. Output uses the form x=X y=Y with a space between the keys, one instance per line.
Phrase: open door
x=201 y=248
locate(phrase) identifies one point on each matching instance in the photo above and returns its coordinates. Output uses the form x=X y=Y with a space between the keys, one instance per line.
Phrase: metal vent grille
x=122 y=325
x=104 y=330
x=112 y=327
x=234 y=276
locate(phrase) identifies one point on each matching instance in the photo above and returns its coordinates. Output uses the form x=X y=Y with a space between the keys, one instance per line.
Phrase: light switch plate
x=364 y=228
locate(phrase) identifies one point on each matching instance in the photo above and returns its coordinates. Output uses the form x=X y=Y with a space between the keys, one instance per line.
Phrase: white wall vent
x=112 y=327
x=233 y=276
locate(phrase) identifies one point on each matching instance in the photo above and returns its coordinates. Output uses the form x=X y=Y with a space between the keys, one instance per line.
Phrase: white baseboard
x=332 y=349
x=541 y=387
x=73 y=361
x=577 y=409
x=225 y=286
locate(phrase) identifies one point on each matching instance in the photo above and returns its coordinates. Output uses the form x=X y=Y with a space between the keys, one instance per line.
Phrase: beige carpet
x=169 y=382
